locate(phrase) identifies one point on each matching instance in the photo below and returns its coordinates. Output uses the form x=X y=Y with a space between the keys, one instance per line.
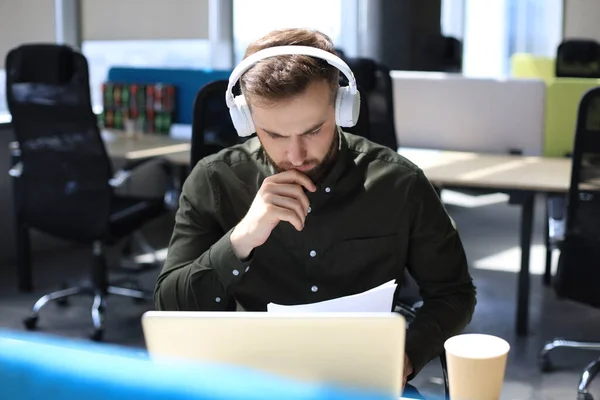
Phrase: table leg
x=522 y=320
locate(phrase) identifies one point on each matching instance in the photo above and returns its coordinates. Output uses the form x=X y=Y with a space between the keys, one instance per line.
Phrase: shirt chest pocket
x=364 y=258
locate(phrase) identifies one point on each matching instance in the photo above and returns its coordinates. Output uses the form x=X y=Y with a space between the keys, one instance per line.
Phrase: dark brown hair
x=282 y=77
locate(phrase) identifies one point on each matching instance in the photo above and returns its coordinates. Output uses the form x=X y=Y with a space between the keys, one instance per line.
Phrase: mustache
x=289 y=165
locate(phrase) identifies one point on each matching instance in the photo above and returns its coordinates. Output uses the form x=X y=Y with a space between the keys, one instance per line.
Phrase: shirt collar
x=334 y=175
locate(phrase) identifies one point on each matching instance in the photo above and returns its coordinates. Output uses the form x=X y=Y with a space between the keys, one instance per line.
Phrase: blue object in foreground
x=37 y=366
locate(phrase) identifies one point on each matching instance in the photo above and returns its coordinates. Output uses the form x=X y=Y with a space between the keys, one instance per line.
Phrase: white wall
x=582 y=19
x=23 y=21
x=144 y=19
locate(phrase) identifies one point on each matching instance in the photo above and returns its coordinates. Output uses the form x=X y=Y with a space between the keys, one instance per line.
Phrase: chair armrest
x=16 y=170
x=15 y=152
x=123 y=175
x=120 y=177
x=134 y=164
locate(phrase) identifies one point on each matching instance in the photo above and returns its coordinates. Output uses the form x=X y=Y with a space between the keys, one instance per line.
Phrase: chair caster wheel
x=30 y=323
x=97 y=335
x=545 y=364
x=584 y=396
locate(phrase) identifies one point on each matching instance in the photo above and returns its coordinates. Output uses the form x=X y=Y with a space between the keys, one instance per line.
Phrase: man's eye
x=313 y=133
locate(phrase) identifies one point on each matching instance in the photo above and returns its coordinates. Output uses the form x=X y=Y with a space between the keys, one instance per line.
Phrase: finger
x=284 y=214
x=294 y=176
x=293 y=191
x=290 y=204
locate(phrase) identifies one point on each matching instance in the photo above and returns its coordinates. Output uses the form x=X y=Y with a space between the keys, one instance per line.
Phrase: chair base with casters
x=98 y=288
x=590 y=371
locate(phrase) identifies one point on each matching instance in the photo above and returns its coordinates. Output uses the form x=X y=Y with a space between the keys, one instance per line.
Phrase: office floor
x=490 y=236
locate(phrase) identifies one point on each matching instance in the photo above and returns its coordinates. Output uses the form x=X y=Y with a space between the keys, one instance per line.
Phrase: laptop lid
x=361 y=350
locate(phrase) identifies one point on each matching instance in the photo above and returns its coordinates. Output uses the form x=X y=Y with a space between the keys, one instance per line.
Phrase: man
x=305 y=212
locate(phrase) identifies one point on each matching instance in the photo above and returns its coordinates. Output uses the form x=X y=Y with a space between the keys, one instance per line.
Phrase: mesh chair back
x=578 y=58
x=578 y=275
x=212 y=128
x=64 y=186
x=375 y=82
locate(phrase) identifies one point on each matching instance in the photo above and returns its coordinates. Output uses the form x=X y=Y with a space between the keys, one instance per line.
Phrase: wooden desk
x=492 y=171
x=181 y=158
x=518 y=176
x=118 y=145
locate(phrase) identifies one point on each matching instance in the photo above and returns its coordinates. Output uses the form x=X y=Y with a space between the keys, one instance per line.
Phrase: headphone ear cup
x=242 y=117
x=347 y=107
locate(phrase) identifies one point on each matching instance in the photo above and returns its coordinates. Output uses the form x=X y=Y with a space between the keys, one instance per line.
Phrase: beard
x=319 y=168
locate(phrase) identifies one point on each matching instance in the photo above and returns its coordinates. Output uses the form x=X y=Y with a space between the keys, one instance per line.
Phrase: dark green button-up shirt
x=373 y=217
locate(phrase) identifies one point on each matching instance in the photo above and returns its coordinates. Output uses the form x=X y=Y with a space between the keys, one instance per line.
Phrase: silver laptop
x=361 y=350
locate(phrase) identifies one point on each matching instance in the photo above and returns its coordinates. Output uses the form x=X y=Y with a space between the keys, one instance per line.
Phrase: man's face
x=299 y=133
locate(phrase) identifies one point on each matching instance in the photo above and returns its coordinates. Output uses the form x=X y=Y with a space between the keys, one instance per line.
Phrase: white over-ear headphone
x=347 y=102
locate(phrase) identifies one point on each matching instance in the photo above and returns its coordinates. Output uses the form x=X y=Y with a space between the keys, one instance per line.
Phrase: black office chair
x=63 y=179
x=212 y=128
x=578 y=274
x=443 y=53
x=578 y=58
x=375 y=83
x=575 y=58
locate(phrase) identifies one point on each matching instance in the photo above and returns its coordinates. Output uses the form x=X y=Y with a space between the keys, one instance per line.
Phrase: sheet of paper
x=378 y=299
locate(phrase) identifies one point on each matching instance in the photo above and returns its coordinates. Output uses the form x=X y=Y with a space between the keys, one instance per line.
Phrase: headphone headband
x=251 y=60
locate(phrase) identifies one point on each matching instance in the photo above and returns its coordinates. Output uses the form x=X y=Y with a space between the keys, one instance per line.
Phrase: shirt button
x=313 y=253
x=235 y=272
x=314 y=288
x=309 y=209
x=217 y=299
x=327 y=189
x=247 y=269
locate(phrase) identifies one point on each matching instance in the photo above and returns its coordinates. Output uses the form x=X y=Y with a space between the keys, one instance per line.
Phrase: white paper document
x=378 y=299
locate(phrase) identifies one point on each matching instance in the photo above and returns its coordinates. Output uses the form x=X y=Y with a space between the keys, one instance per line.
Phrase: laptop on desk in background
x=360 y=350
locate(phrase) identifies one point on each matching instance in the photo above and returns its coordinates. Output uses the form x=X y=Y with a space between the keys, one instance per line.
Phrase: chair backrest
x=578 y=275
x=375 y=82
x=578 y=58
x=444 y=53
x=64 y=186
x=212 y=128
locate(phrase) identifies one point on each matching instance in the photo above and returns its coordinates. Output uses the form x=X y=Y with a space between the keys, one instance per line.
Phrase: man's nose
x=296 y=152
